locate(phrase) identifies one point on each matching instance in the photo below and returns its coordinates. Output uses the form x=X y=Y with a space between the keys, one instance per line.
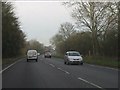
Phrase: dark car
x=47 y=55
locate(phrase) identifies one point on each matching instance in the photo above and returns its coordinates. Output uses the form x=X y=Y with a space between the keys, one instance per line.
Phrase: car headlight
x=81 y=58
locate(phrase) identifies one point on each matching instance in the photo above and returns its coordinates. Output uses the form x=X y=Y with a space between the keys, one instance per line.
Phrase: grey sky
x=41 y=20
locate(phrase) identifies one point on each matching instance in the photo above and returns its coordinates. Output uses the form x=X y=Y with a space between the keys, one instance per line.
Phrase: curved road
x=53 y=73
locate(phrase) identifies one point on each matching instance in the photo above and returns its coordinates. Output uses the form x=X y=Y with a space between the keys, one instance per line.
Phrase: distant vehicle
x=47 y=54
x=32 y=55
x=38 y=54
x=73 y=57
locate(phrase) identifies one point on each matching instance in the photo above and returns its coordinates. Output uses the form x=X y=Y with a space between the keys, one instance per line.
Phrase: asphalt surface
x=53 y=73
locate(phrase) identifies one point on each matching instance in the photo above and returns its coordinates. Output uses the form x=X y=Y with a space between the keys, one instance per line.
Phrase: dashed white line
x=89 y=82
x=52 y=65
x=67 y=72
x=59 y=68
x=63 y=70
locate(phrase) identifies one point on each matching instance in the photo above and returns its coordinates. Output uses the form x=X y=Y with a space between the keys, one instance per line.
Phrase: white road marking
x=67 y=72
x=89 y=82
x=92 y=65
x=52 y=65
x=103 y=67
x=63 y=70
x=59 y=68
x=110 y=68
x=9 y=66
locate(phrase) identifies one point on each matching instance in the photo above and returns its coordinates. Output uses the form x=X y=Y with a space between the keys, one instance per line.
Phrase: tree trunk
x=118 y=30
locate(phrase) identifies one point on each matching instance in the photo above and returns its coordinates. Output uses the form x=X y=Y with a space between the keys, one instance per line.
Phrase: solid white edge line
x=92 y=65
x=102 y=67
x=9 y=66
x=89 y=82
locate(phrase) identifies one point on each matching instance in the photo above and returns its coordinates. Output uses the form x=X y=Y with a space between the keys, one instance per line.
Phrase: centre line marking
x=52 y=65
x=89 y=82
x=63 y=70
x=67 y=72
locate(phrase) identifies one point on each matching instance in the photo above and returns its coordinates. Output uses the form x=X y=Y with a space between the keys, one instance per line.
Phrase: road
x=52 y=73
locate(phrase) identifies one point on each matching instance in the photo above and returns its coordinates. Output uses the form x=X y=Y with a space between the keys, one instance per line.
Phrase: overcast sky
x=41 y=20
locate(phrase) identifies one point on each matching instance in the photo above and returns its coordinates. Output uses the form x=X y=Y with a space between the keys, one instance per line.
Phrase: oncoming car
x=32 y=55
x=73 y=57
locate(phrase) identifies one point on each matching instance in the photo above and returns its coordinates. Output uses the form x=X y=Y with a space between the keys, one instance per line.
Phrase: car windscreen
x=74 y=54
x=31 y=52
x=47 y=53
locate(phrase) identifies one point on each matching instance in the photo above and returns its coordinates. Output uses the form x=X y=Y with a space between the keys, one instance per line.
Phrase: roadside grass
x=98 y=60
x=0 y=61
x=103 y=61
x=58 y=56
x=7 y=61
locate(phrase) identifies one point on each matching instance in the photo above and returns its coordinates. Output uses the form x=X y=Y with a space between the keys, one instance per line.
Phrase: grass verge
x=7 y=61
x=58 y=56
x=103 y=61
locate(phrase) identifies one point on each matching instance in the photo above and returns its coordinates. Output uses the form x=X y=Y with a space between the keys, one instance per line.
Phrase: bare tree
x=34 y=44
x=66 y=30
x=118 y=28
x=97 y=17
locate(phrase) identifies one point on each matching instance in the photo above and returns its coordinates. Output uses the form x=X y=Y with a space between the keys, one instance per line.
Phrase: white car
x=73 y=57
x=32 y=55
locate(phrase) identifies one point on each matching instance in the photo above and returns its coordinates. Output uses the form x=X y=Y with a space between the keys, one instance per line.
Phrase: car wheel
x=67 y=63
x=81 y=63
x=64 y=62
x=36 y=60
x=27 y=60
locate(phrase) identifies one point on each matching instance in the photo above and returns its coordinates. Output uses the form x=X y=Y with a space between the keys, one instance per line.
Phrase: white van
x=32 y=55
